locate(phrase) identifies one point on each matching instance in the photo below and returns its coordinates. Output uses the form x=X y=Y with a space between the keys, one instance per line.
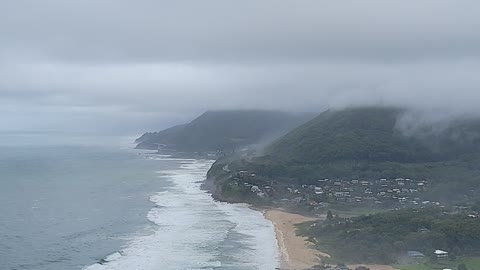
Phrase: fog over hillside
x=134 y=66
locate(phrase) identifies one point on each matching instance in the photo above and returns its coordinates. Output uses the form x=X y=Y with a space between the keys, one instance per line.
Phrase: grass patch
x=472 y=263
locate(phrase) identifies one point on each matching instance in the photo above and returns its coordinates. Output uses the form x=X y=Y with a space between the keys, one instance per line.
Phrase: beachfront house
x=440 y=254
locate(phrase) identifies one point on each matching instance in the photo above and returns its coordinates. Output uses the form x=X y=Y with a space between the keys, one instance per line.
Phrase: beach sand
x=296 y=252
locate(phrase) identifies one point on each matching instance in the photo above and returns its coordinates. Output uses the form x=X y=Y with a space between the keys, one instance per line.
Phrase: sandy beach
x=297 y=253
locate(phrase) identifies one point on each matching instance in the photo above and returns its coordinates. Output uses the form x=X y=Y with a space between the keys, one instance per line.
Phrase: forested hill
x=385 y=237
x=372 y=134
x=224 y=130
x=371 y=143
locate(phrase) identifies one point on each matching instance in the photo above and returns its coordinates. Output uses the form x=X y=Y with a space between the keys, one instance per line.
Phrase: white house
x=441 y=254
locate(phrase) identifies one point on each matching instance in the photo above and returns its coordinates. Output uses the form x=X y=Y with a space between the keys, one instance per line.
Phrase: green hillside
x=367 y=143
x=224 y=130
x=371 y=134
x=385 y=237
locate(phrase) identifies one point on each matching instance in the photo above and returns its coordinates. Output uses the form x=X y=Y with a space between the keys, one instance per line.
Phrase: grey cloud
x=242 y=30
x=127 y=63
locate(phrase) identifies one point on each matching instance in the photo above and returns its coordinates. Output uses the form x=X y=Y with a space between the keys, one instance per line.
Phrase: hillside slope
x=224 y=130
x=371 y=134
x=366 y=143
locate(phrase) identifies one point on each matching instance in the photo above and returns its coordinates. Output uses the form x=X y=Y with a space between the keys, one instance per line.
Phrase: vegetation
x=223 y=130
x=384 y=237
x=367 y=143
x=465 y=263
x=373 y=134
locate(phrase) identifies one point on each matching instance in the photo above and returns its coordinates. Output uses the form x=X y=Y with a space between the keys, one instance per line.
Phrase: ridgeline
x=367 y=143
x=225 y=131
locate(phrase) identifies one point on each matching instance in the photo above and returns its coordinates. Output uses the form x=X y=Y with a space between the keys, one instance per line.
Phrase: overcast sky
x=129 y=66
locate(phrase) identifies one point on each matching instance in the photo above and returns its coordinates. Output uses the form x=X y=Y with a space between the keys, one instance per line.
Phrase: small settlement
x=399 y=192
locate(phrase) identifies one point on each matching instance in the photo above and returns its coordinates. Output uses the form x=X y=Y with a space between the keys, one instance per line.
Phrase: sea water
x=105 y=206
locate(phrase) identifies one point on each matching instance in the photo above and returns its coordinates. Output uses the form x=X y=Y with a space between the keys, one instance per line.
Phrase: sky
x=112 y=66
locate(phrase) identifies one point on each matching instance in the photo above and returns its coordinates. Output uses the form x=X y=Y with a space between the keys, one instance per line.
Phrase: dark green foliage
x=352 y=134
x=462 y=266
x=381 y=238
x=150 y=140
x=224 y=130
x=365 y=143
x=371 y=134
x=476 y=206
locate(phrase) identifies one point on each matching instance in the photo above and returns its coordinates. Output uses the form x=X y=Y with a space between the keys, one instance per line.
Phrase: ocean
x=99 y=204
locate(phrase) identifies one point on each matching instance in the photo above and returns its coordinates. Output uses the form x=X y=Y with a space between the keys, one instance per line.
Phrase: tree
x=329 y=215
x=462 y=266
x=452 y=257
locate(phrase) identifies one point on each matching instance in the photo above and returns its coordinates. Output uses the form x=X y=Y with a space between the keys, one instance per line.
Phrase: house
x=441 y=254
x=243 y=173
x=255 y=189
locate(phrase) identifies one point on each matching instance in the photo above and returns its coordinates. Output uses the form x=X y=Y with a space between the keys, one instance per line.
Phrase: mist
x=124 y=67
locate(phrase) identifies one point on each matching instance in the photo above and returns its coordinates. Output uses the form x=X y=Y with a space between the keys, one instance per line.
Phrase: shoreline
x=296 y=253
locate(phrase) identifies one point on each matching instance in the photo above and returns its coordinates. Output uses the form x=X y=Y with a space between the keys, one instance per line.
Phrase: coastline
x=296 y=252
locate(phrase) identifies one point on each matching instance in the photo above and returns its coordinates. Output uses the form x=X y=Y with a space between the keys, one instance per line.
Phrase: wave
x=192 y=231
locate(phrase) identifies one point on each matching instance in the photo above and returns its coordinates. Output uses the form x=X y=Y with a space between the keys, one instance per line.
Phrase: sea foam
x=195 y=232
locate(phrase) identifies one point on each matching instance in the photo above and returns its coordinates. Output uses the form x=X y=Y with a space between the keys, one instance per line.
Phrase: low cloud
x=119 y=65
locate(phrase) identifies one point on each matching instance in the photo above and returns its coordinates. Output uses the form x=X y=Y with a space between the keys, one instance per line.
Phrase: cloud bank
x=135 y=65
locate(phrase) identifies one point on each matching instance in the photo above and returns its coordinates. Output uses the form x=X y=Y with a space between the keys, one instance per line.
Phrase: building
x=441 y=254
